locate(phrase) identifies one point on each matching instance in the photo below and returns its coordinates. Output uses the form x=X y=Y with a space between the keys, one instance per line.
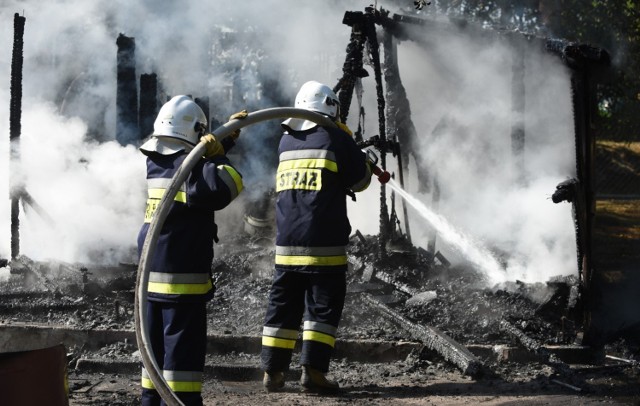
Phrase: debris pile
x=412 y=285
x=454 y=324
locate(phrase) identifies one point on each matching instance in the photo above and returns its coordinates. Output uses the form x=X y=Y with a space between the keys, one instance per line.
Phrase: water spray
x=470 y=249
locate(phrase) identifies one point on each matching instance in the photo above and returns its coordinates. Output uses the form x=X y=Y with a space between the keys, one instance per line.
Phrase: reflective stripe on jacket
x=316 y=169
x=181 y=264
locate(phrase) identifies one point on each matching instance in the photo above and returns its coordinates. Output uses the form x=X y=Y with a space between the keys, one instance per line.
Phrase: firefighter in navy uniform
x=318 y=167
x=180 y=278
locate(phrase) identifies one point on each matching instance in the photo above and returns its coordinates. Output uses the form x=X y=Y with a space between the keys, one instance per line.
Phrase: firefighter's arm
x=214 y=184
x=364 y=181
x=356 y=166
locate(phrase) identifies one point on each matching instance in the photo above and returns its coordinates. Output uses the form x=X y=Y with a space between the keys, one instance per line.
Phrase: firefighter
x=318 y=167
x=180 y=279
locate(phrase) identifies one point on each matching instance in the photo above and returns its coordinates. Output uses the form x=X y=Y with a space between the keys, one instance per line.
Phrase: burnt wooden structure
x=127 y=91
x=396 y=130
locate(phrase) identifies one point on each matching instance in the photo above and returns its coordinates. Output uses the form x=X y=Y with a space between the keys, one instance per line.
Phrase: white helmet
x=181 y=118
x=313 y=96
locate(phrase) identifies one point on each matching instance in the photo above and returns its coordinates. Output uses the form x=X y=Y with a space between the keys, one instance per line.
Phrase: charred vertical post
x=374 y=50
x=363 y=31
x=584 y=102
x=127 y=95
x=587 y=63
x=352 y=69
x=148 y=103
x=581 y=203
x=399 y=123
x=15 y=128
x=518 y=110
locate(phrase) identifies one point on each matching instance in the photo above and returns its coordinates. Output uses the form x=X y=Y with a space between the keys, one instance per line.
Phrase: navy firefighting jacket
x=181 y=266
x=316 y=169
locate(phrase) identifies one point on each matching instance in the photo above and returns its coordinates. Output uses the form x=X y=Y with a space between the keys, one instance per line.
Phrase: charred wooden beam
x=28 y=199
x=628 y=362
x=534 y=346
x=402 y=287
x=432 y=338
x=577 y=55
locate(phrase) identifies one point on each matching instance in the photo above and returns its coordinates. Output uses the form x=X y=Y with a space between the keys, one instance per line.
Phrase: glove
x=214 y=147
x=237 y=116
x=344 y=128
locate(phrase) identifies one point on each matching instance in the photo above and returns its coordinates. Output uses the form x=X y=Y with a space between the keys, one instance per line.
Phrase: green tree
x=611 y=25
x=614 y=26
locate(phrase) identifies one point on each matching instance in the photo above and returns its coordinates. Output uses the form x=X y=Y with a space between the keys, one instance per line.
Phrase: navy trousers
x=179 y=341
x=319 y=298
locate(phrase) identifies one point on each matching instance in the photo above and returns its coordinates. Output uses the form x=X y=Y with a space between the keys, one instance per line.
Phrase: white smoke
x=95 y=193
x=460 y=93
x=91 y=191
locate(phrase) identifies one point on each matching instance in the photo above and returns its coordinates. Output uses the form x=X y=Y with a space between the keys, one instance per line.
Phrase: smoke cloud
x=459 y=89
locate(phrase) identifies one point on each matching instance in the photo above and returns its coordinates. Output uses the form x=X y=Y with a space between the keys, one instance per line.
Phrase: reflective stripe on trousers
x=178 y=381
x=279 y=337
x=319 y=332
x=179 y=283
x=316 y=256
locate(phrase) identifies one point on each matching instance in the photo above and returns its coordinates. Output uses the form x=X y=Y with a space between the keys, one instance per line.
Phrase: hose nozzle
x=383 y=176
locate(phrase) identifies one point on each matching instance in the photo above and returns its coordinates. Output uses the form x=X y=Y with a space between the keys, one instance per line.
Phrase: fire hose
x=142 y=329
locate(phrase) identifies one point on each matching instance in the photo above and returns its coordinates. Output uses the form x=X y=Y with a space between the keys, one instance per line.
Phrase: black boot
x=313 y=380
x=273 y=381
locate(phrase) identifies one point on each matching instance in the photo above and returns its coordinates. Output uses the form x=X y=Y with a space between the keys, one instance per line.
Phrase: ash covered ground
x=414 y=284
x=453 y=299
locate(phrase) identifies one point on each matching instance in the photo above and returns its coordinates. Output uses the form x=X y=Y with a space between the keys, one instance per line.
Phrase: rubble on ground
x=453 y=301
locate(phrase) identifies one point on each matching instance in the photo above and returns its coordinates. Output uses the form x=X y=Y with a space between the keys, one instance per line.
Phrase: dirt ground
x=395 y=384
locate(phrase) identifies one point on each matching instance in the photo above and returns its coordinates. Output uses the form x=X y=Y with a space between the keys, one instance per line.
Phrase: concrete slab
x=23 y=337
